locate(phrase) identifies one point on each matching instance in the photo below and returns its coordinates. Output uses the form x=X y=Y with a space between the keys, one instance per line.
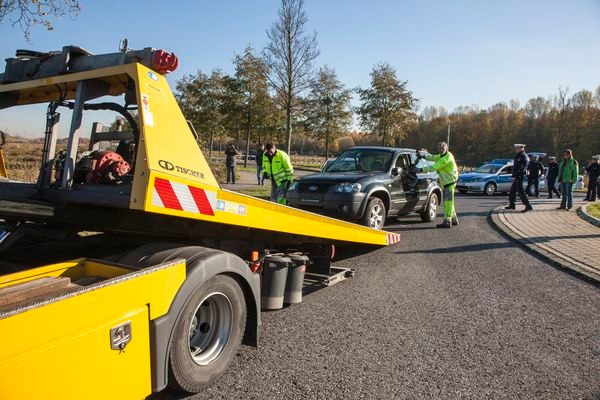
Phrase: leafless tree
x=26 y=13
x=289 y=55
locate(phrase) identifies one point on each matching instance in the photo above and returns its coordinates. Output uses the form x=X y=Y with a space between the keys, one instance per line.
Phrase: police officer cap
x=552 y=158
x=518 y=145
x=595 y=157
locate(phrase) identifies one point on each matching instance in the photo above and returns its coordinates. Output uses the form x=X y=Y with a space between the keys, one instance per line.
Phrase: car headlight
x=347 y=187
x=293 y=185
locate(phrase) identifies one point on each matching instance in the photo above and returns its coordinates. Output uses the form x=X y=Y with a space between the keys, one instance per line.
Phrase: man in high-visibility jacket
x=277 y=167
x=447 y=170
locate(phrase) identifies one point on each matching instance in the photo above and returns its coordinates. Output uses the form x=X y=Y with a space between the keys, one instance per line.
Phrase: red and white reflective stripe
x=393 y=238
x=177 y=196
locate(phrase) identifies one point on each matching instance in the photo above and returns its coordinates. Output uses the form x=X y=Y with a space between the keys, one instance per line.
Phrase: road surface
x=460 y=313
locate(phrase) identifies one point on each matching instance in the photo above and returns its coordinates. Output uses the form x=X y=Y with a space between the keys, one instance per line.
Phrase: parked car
x=491 y=178
x=369 y=184
x=251 y=155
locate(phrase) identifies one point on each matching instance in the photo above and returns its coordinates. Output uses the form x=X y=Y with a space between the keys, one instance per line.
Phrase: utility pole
x=448 y=138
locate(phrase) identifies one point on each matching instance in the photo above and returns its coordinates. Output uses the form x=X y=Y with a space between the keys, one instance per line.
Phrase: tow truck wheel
x=375 y=213
x=431 y=211
x=207 y=334
x=489 y=189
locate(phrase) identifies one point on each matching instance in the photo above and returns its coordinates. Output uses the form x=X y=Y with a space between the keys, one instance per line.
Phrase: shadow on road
x=461 y=249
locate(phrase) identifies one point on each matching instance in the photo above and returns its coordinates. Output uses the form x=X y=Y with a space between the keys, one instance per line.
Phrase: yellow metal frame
x=61 y=348
x=167 y=150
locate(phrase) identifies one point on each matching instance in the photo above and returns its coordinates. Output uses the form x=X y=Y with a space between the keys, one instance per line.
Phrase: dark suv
x=369 y=184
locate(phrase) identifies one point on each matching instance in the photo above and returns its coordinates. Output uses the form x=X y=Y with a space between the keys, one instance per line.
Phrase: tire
x=489 y=189
x=431 y=211
x=213 y=319
x=462 y=191
x=375 y=213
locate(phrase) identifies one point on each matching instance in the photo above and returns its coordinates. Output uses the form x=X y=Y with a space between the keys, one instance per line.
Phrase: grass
x=262 y=192
x=594 y=210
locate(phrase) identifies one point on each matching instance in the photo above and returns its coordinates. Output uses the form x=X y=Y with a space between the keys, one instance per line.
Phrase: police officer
x=534 y=169
x=277 y=166
x=551 y=177
x=593 y=172
x=518 y=173
x=447 y=170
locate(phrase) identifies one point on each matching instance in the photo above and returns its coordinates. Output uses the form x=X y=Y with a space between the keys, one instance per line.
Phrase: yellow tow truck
x=124 y=270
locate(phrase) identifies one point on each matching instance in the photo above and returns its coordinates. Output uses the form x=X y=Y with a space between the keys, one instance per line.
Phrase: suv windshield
x=488 y=169
x=362 y=160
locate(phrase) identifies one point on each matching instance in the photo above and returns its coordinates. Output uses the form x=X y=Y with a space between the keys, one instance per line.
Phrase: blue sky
x=452 y=53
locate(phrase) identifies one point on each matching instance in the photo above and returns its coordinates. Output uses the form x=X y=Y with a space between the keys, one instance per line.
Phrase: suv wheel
x=431 y=210
x=375 y=213
x=489 y=189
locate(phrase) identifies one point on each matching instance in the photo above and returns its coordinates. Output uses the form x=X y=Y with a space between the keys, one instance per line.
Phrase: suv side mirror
x=396 y=171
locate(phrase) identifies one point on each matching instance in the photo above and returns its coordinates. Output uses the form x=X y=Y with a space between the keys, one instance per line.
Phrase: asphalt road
x=460 y=313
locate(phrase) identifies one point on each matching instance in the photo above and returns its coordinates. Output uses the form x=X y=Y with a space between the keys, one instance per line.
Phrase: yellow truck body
x=59 y=346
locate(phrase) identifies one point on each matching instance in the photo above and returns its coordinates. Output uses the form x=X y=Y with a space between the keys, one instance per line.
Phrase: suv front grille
x=320 y=187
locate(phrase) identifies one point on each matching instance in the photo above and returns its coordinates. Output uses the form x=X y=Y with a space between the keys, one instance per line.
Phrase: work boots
x=454 y=221
x=445 y=224
x=510 y=207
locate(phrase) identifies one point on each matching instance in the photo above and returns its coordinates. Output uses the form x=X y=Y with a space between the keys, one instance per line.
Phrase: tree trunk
x=247 y=142
x=288 y=129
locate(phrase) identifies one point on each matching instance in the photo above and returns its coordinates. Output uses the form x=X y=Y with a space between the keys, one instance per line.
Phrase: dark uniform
x=593 y=171
x=230 y=161
x=535 y=169
x=518 y=173
x=551 y=179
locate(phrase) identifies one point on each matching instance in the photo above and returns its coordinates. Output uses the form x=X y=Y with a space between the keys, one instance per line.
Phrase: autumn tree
x=255 y=105
x=290 y=54
x=327 y=108
x=27 y=13
x=202 y=100
x=387 y=107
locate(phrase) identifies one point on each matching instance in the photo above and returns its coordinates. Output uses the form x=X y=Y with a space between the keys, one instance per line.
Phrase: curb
x=565 y=265
x=582 y=212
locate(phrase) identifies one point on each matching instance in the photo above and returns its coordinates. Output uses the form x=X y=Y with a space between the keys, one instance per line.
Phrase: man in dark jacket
x=534 y=169
x=551 y=177
x=593 y=172
x=518 y=173
x=230 y=160
x=259 y=159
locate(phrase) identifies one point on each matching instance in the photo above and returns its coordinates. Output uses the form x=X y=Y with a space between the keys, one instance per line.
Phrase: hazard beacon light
x=164 y=62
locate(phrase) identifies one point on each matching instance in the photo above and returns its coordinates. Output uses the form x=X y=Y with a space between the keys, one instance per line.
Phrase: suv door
x=396 y=185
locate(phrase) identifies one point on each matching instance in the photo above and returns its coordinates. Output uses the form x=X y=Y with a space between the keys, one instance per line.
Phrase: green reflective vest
x=445 y=166
x=279 y=168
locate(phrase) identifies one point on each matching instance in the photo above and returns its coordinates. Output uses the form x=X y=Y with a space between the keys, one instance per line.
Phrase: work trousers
x=567 y=194
x=517 y=188
x=535 y=181
x=278 y=192
x=259 y=175
x=231 y=174
x=592 y=188
x=448 y=195
x=551 y=182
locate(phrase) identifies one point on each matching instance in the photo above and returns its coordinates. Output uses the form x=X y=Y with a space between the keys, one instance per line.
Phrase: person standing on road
x=518 y=174
x=259 y=159
x=535 y=170
x=593 y=172
x=447 y=170
x=567 y=176
x=551 y=177
x=230 y=161
x=276 y=165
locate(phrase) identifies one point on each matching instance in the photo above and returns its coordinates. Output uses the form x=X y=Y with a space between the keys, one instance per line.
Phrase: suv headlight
x=293 y=185
x=347 y=187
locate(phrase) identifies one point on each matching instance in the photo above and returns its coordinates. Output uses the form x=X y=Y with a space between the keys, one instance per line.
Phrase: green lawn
x=594 y=210
x=262 y=192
